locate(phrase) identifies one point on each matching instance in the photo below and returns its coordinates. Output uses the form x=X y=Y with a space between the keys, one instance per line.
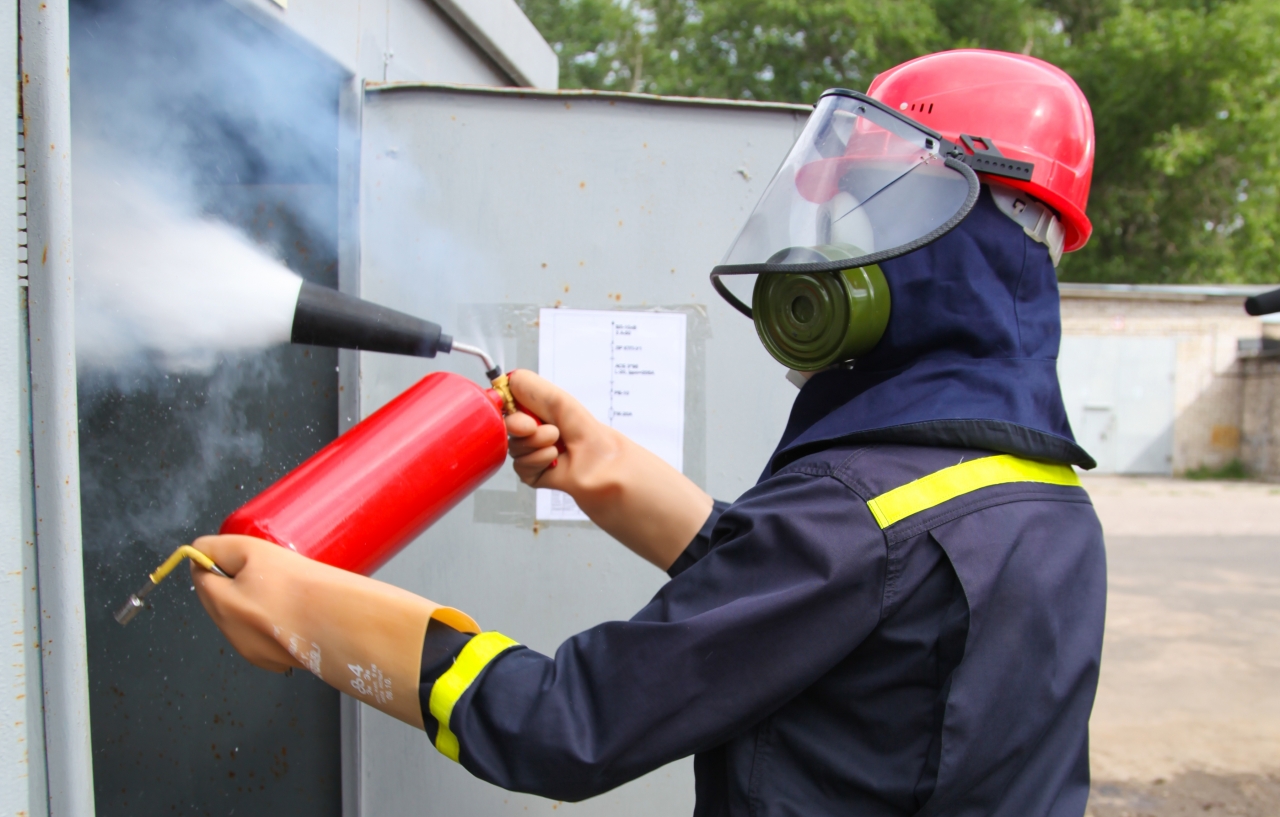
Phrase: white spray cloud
x=188 y=119
x=156 y=282
x=178 y=109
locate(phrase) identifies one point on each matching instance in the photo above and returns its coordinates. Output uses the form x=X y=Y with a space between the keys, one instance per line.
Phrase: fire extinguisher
x=365 y=496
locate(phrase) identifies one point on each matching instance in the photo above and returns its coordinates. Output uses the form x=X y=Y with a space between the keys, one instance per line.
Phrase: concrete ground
x=1187 y=718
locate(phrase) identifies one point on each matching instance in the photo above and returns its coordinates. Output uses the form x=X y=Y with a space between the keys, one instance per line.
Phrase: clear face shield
x=862 y=184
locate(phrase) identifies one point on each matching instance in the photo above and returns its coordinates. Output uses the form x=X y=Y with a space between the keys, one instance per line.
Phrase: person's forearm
x=641 y=501
x=368 y=646
x=361 y=636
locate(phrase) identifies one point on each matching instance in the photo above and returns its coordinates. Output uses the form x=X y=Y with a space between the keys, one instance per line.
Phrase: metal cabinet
x=477 y=208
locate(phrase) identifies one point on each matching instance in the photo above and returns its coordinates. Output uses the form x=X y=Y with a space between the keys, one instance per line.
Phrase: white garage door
x=1119 y=396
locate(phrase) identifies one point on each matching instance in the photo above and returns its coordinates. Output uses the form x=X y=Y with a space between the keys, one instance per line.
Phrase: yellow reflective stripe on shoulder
x=928 y=492
x=448 y=688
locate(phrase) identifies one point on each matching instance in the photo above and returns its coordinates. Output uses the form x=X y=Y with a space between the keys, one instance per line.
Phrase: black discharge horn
x=326 y=317
x=1264 y=304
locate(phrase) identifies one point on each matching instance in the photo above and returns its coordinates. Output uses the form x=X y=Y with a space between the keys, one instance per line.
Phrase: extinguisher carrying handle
x=538 y=422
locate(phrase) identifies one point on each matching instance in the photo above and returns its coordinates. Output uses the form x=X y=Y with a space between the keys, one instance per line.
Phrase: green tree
x=1185 y=101
x=1185 y=94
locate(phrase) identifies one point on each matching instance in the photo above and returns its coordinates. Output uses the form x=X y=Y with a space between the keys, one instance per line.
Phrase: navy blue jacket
x=899 y=618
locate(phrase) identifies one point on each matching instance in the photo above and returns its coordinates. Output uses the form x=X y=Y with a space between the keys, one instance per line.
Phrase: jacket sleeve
x=701 y=544
x=793 y=581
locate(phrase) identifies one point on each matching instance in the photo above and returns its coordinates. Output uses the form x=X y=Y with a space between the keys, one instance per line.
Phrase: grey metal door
x=1119 y=396
x=478 y=207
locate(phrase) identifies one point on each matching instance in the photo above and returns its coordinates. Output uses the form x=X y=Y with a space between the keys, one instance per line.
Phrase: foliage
x=1233 y=470
x=1185 y=94
x=1185 y=101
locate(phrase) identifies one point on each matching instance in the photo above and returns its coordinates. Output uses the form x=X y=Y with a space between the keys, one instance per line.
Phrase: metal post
x=46 y=99
x=350 y=98
x=21 y=739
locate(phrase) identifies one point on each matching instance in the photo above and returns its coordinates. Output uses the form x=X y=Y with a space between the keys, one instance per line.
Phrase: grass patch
x=1232 y=470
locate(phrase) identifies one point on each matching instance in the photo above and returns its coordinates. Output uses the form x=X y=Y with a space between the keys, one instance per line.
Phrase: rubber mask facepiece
x=862 y=184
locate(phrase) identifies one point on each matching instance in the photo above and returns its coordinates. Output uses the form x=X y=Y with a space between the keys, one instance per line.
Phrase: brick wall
x=1260 y=419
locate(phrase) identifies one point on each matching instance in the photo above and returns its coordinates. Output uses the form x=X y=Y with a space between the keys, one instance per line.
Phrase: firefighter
x=904 y=615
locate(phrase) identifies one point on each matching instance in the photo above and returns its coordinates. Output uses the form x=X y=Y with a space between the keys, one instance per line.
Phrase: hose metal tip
x=128 y=610
x=133 y=605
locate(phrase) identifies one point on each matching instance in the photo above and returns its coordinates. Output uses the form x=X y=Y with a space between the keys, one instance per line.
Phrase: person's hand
x=627 y=490
x=565 y=425
x=264 y=572
x=359 y=635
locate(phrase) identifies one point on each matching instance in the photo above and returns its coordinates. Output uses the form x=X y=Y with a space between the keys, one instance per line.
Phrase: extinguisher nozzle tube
x=326 y=317
x=492 y=370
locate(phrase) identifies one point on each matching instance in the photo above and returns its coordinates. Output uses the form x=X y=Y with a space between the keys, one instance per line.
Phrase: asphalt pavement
x=1187 y=718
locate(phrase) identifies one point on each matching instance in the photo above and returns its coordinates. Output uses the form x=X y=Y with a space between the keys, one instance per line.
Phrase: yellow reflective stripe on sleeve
x=949 y=483
x=449 y=687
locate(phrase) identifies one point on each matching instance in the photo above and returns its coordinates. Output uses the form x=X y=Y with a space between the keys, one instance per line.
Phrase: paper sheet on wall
x=627 y=368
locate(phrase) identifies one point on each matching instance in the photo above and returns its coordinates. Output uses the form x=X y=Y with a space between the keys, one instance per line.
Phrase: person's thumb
x=549 y=403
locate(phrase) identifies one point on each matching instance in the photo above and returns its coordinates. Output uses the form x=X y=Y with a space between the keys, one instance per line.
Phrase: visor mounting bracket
x=985 y=157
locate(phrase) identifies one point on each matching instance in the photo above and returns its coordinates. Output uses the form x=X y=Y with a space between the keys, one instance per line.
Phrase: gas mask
x=863 y=184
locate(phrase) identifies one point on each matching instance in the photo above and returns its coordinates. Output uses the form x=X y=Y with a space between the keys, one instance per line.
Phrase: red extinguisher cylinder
x=365 y=496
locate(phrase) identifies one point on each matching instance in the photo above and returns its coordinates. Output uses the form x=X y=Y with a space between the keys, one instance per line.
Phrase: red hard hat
x=1030 y=110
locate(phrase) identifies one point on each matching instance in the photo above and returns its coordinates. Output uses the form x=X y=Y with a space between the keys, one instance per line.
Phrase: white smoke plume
x=177 y=110
x=156 y=282
x=198 y=134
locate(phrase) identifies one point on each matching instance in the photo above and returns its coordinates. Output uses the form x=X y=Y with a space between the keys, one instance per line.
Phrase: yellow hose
x=184 y=552
x=134 y=603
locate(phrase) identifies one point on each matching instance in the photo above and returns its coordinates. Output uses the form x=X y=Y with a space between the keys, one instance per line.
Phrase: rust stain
x=582 y=185
x=1224 y=436
x=566 y=287
x=44 y=255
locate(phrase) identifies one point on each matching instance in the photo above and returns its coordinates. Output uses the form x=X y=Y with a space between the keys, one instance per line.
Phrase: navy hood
x=969 y=358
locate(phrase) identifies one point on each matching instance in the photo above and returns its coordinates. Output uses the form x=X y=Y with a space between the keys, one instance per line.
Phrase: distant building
x=1168 y=379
